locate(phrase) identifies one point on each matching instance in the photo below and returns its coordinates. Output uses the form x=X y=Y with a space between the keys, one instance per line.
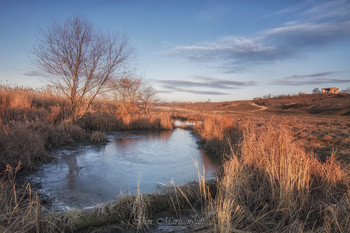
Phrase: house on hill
x=330 y=90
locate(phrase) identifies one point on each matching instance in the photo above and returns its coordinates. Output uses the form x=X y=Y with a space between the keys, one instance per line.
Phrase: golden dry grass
x=279 y=174
x=272 y=184
x=33 y=122
x=19 y=206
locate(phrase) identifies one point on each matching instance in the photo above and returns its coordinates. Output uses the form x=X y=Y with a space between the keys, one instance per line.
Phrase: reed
x=35 y=120
x=19 y=205
x=219 y=134
x=274 y=185
x=103 y=122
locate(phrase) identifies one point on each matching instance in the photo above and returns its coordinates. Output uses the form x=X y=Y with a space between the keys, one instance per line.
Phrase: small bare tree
x=127 y=93
x=148 y=96
x=132 y=94
x=80 y=60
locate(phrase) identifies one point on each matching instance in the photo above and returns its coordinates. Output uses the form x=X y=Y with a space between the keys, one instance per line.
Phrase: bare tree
x=132 y=94
x=148 y=96
x=80 y=60
x=127 y=93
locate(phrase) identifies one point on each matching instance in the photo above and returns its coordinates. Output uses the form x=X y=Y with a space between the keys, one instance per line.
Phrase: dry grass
x=19 y=143
x=20 y=206
x=274 y=178
x=331 y=104
x=33 y=122
x=28 y=142
x=322 y=135
x=219 y=134
x=98 y=137
x=103 y=122
x=132 y=213
x=274 y=185
x=200 y=108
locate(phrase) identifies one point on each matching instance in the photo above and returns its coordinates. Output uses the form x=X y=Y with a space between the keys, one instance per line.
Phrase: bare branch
x=80 y=60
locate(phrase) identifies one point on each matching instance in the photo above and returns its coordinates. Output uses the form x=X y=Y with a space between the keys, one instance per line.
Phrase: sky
x=199 y=50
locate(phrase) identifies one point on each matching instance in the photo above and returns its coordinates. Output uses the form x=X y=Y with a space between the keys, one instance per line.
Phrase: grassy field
x=323 y=132
x=321 y=104
x=282 y=170
x=271 y=182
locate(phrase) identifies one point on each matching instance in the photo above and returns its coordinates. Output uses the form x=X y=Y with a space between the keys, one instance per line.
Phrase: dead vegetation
x=325 y=104
x=32 y=122
x=199 y=108
x=279 y=173
x=271 y=184
x=19 y=206
x=268 y=183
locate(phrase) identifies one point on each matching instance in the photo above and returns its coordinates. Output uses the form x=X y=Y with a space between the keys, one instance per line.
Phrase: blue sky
x=200 y=50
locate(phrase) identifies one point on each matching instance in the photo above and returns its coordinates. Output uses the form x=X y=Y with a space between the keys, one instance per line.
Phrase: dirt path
x=259 y=106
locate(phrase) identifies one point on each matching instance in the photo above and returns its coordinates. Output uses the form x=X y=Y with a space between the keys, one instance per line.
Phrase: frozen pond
x=85 y=175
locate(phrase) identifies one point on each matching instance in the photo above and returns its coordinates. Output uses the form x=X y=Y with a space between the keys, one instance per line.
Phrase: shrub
x=20 y=143
x=98 y=137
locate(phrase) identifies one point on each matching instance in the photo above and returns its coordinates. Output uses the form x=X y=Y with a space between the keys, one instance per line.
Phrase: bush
x=98 y=137
x=27 y=142
x=20 y=143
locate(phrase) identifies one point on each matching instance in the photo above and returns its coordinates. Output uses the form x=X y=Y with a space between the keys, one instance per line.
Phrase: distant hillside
x=327 y=104
x=240 y=106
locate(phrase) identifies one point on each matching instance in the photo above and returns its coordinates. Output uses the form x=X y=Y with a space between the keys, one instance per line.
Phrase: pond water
x=85 y=175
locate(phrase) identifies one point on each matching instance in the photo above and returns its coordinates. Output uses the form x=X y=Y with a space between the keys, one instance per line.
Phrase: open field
x=233 y=107
x=312 y=104
x=316 y=104
x=320 y=123
x=282 y=171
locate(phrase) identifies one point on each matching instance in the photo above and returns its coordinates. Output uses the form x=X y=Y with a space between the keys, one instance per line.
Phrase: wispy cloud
x=171 y=89
x=320 y=25
x=207 y=83
x=312 y=81
x=321 y=74
x=329 y=10
x=201 y=86
x=292 y=9
x=32 y=73
x=297 y=36
x=315 y=78
x=229 y=47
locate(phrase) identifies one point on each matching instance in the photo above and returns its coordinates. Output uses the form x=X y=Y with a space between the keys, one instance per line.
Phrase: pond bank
x=137 y=212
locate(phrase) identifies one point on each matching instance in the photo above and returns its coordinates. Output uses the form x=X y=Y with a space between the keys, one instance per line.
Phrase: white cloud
x=321 y=25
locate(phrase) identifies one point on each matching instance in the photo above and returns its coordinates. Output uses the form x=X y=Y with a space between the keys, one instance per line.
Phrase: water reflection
x=127 y=139
x=87 y=175
x=71 y=161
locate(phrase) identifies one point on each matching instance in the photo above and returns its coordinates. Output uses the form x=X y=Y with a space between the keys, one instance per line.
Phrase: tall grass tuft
x=103 y=122
x=274 y=185
x=19 y=143
x=20 y=207
x=219 y=134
